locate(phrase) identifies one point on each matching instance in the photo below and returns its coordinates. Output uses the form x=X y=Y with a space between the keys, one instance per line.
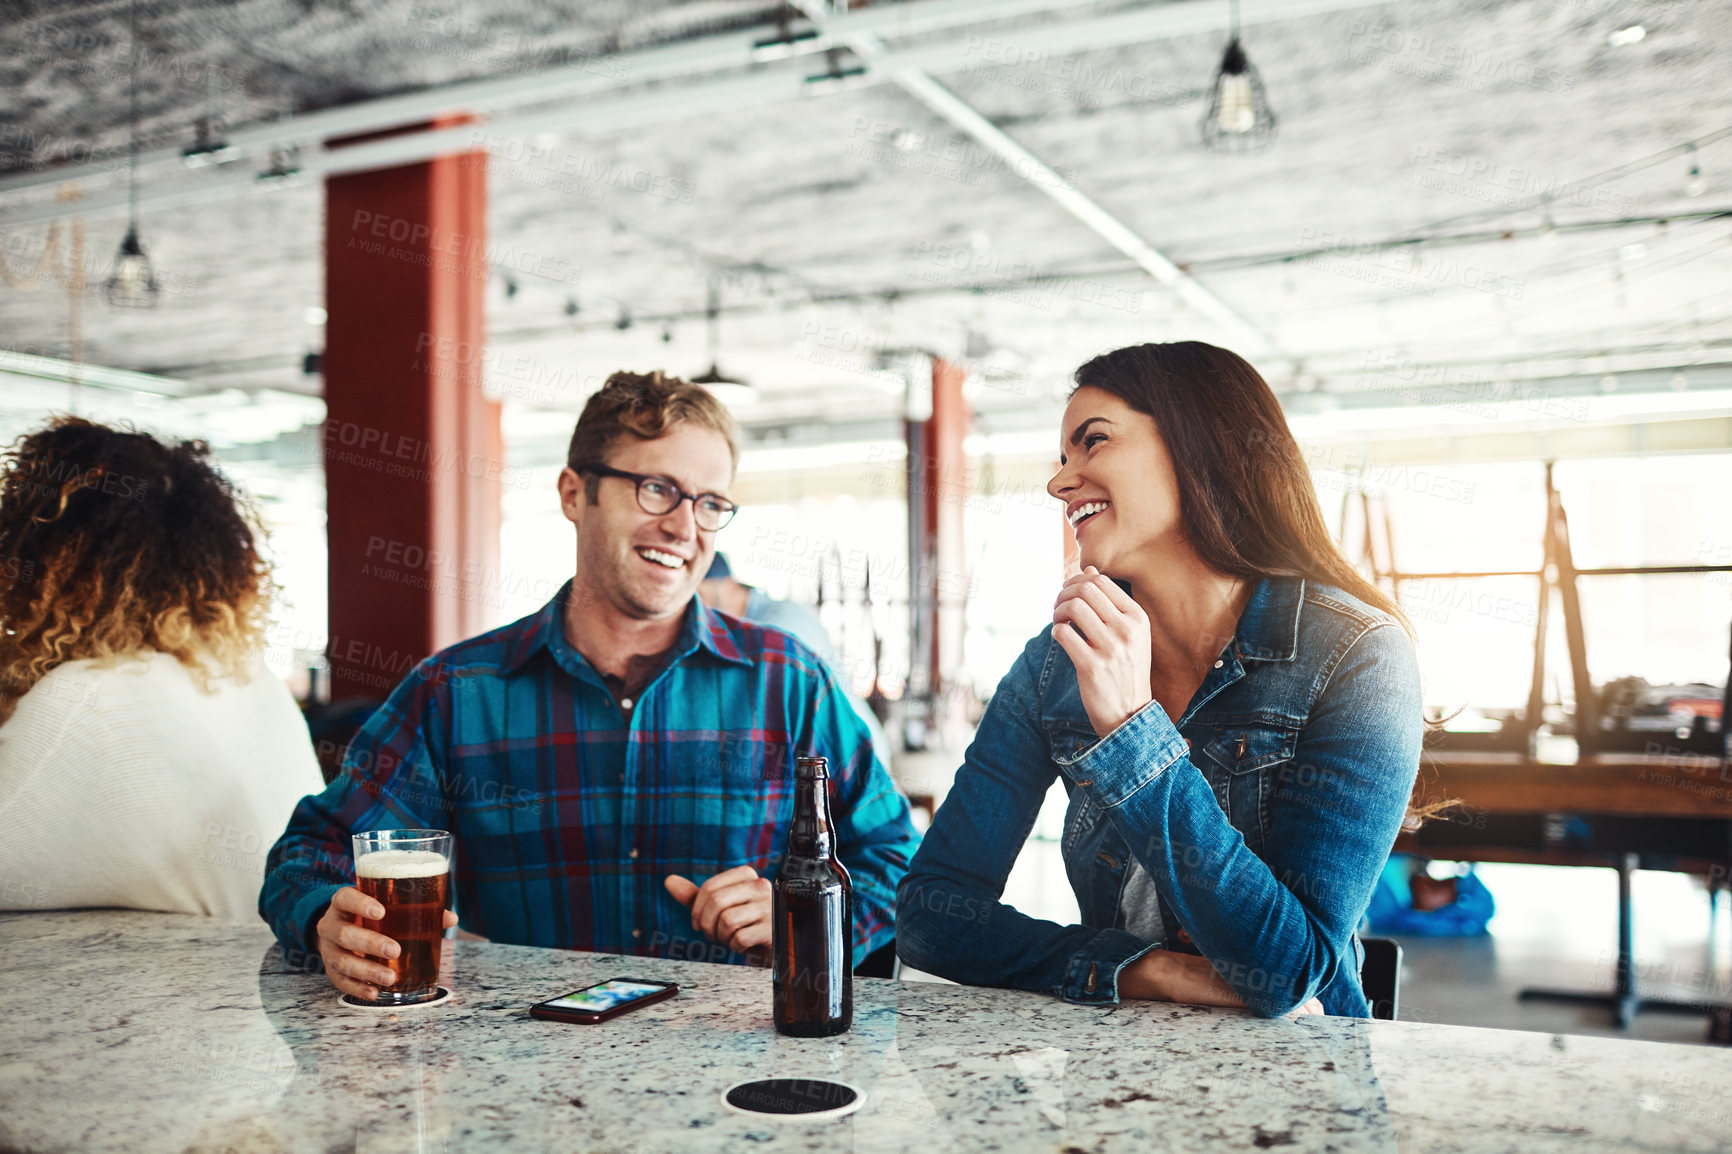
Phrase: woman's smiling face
x=1116 y=481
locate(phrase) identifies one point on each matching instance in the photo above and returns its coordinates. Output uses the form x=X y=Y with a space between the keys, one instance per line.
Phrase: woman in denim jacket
x=1238 y=735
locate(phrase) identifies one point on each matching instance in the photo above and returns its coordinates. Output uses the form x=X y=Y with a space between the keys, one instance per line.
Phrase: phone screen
x=604 y=996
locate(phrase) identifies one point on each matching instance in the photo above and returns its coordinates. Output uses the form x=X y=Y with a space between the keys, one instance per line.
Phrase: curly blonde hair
x=113 y=543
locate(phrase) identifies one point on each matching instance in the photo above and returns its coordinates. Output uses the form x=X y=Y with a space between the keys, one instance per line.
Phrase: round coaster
x=352 y=1003
x=793 y=1099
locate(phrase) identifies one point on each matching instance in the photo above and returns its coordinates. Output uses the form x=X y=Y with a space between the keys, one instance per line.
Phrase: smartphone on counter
x=604 y=1000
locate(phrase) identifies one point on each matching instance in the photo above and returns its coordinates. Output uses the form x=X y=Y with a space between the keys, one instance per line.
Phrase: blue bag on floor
x=1392 y=912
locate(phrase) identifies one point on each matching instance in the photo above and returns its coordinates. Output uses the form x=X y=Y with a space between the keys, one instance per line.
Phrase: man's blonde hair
x=646 y=406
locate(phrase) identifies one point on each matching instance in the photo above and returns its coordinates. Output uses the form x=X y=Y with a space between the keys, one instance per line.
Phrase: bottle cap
x=811 y=768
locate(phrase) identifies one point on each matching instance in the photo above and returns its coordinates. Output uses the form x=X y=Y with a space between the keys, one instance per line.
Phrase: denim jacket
x=1264 y=816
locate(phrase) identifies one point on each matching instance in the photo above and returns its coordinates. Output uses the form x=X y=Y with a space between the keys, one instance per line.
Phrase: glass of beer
x=408 y=872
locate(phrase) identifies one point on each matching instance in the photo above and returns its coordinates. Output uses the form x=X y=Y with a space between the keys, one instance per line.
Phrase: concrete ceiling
x=855 y=220
x=66 y=71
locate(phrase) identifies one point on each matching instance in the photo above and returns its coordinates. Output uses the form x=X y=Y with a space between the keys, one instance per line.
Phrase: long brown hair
x=113 y=543
x=1246 y=501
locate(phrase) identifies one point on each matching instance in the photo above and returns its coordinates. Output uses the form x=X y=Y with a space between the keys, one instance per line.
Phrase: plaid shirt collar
x=700 y=628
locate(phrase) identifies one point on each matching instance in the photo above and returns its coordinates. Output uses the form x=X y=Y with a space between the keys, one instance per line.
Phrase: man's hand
x=732 y=908
x=1107 y=636
x=1165 y=976
x=352 y=953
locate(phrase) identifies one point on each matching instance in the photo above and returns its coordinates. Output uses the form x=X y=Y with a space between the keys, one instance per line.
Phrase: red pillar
x=937 y=497
x=414 y=457
x=948 y=500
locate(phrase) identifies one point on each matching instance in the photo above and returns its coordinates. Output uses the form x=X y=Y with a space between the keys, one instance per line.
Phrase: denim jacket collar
x=1268 y=630
x=1269 y=627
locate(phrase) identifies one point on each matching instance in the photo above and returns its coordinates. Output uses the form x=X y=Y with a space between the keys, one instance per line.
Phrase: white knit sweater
x=128 y=785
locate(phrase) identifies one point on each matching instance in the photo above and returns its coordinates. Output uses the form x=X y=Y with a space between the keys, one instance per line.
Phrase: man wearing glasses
x=617 y=767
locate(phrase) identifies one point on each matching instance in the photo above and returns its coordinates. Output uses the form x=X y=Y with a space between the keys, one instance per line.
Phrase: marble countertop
x=143 y=1032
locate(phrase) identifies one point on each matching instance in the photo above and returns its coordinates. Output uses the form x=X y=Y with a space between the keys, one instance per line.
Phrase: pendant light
x=1238 y=119
x=132 y=283
x=730 y=390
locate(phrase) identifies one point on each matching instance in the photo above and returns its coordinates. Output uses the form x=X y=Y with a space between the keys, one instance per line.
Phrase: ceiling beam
x=31 y=367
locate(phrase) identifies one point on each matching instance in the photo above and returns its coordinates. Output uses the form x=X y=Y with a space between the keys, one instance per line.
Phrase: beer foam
x=394 y=864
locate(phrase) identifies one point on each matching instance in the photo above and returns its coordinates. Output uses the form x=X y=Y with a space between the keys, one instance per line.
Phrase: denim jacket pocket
x=1237 y=763
x=1244 y=746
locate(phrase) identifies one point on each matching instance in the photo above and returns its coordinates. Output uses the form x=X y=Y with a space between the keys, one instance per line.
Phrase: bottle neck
x=811 y=834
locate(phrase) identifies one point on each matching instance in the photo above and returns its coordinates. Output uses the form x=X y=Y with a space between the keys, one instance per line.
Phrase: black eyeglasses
x=662 y=495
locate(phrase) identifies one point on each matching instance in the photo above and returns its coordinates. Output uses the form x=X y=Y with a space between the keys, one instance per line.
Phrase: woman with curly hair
x=148 y=758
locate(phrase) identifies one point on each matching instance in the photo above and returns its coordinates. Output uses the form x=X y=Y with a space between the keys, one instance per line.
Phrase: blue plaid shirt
x=568 y=813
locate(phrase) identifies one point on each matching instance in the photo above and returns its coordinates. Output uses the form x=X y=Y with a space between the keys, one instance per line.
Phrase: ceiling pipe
x=961 y=115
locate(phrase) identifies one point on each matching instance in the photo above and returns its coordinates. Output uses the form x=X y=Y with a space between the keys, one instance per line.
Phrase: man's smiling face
x=642 y=565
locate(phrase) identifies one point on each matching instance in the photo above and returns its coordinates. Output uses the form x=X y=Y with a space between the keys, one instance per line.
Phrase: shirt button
x=625 y=702
x=633 y=854
x=637 y=933
x=1218 y=664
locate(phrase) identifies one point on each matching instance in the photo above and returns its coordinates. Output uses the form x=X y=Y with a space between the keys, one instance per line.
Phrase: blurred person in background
x=1233 y=710
x=721 y=590
x=147 y=755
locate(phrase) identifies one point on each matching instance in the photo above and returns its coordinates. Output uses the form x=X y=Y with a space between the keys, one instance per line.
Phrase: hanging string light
x=1239 y=118
x=132 y=282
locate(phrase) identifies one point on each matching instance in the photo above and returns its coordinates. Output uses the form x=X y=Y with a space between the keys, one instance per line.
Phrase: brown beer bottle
x=812 y=936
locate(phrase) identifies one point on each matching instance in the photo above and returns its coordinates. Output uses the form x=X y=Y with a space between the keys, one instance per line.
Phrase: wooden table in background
x=1622 y=811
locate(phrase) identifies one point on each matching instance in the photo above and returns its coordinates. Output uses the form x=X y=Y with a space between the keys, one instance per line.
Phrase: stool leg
x=1626 y=982
x=1622 y=999
x=1713 y=922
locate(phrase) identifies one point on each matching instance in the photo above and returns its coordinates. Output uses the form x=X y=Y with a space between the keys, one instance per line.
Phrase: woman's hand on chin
x=1107 y=636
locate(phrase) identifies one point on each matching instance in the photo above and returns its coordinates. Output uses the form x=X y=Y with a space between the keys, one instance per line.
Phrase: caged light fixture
x=132 y=282
x=1239 y=118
